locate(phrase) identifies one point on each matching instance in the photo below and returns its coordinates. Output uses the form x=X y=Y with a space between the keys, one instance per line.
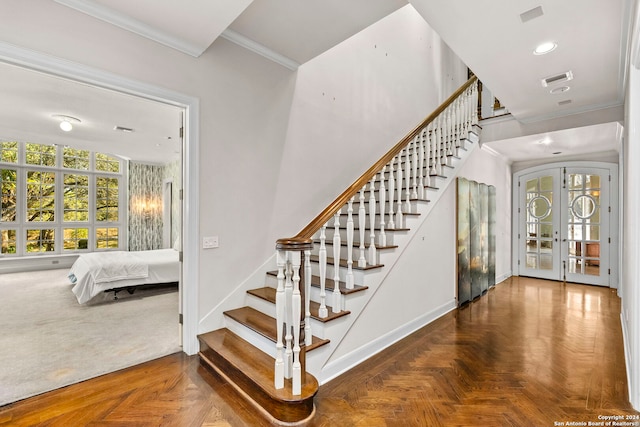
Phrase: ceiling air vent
x=123 y=129
x=564 y=77
x=536 y=12
x=565 y=102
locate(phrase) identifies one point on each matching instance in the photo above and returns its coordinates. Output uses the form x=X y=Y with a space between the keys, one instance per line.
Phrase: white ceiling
x=492 y=39
x=488 y=35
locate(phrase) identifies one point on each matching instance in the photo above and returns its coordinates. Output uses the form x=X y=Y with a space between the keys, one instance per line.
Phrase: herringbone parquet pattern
x=528 y=353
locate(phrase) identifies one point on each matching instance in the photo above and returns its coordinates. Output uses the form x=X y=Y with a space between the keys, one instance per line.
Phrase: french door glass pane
x=539 y=223
x=583 y=225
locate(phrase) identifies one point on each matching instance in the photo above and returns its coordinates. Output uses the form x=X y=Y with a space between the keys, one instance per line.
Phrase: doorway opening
x=565 y=223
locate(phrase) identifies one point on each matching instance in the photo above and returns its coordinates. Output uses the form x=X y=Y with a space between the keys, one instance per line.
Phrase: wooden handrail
x=304 y=237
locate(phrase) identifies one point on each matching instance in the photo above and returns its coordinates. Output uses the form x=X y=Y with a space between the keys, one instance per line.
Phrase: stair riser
x=358 y=275
x=264 y=344
x=344 y=251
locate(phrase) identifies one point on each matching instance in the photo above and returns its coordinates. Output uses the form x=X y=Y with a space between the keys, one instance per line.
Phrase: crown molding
x=260 y=49
x=128 y=23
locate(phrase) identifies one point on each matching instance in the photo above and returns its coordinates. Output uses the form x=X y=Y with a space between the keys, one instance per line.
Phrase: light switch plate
x=210 y=242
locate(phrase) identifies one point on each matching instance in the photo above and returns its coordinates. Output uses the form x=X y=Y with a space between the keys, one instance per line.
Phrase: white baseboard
x=627 y=357
x=349 y=361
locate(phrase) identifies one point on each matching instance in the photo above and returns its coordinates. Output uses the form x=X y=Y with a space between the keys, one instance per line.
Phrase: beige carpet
x=48 y=340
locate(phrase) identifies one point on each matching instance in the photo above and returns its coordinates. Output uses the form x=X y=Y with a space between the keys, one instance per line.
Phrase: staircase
x=370 y=224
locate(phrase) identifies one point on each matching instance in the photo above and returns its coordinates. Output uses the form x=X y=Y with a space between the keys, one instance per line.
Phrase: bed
x=97 y=272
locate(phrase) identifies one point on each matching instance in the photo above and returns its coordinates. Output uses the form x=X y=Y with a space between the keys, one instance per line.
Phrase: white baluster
x=432 y=153
x=336 y=263
x=280 y=321
x=392 y=184
x=456 y=123
x=449 y=151
x=407 y=179
x=288 y=337
x=399 y=218
x=421 y=144
x=362 y=213
x=372 y=221
x=350 y=281
x=322 y=267
x=308 y=336
x=296 y=302
x=414 y=166
x=436 y=159
x=382 y=199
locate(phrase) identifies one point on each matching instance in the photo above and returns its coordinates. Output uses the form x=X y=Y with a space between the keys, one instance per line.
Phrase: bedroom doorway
x=187 y=107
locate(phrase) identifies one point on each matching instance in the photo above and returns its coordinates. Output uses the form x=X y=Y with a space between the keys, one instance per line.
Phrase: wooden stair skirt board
x=251 y=372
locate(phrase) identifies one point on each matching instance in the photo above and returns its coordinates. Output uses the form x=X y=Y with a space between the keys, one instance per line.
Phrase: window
x=76 y=198
x=9 y=185
x=9 y=152
x=106 y=199
x=58 y=200
x=41 y=196
x=7 y=241
x=75 y=159
x=40 y=240
x=41 y=155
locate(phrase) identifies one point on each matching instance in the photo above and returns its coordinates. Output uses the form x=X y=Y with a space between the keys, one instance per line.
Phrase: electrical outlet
x=210 y=242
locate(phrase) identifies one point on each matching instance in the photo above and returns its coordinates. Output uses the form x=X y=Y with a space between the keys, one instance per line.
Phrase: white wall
x=352 y=104
x=423 y=281
x=630 y=277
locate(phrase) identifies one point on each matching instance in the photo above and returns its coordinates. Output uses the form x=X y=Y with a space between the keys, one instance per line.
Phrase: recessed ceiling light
x=545 y=141
x=545 y=47
x=559 y=89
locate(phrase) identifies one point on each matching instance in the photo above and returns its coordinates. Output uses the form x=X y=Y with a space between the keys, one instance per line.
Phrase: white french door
x=564 y=224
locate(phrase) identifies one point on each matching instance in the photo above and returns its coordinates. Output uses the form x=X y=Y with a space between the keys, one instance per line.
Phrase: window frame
x=59 y=225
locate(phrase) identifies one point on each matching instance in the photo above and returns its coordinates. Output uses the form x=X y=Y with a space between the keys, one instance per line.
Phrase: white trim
x=78 y=72
x=128 y=23
x=343 y=364
x=591 y=108
x=494 y=153
x=260 y=49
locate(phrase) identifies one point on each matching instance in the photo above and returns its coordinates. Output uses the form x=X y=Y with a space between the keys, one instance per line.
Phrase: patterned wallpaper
x=145 y=206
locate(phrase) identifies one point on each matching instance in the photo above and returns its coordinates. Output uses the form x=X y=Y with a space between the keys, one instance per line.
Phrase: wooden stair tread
x=265 y=325
x=269 y=294
x=251 y=372
x=356 y=245
x=343 y=263
x=315 y=282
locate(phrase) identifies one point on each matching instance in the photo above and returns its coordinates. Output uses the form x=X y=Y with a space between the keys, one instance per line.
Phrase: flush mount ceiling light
x=545 y=47
x=66 y=122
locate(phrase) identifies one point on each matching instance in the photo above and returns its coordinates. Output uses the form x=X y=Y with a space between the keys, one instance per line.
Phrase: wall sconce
x=147 y=208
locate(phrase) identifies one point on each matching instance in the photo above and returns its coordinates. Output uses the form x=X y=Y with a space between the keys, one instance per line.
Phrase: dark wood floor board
x=528 y=353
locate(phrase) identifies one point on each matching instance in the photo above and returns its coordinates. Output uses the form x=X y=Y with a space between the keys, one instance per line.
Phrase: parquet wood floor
x=528 y=353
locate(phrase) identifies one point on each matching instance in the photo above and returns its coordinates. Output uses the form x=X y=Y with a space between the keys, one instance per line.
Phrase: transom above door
x=562 y=223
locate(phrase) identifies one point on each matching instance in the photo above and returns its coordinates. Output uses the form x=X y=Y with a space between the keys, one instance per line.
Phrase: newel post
x=291 y=311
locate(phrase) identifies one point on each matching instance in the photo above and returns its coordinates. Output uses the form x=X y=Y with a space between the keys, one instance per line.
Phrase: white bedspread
x=112 y=266
x=95 y=272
